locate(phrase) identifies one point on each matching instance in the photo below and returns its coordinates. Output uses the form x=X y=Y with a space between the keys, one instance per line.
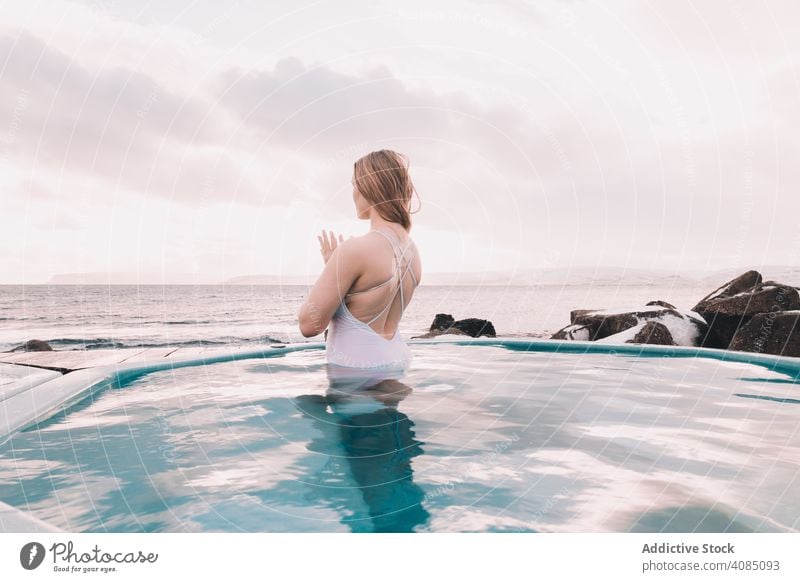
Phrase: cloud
x=598 y=168
x=616 y=132
x=317 y=108
x=115 y=123
x=465 y=151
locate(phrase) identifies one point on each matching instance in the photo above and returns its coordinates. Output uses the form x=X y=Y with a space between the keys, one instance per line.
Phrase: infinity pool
x=470 y=439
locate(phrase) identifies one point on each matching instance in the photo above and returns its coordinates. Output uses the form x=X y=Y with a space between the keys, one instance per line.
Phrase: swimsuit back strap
x=395 y=246
x=389 y=280
x=400 y=285
x=400 y=279
x=393 y=241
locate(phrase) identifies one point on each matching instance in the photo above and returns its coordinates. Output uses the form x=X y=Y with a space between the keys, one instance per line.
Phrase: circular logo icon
x=31 y=555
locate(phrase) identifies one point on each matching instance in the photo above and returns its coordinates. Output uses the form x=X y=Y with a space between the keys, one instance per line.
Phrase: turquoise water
x=470 y=439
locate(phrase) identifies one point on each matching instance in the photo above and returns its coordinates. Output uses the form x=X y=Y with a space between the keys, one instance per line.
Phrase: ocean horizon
x=122 y=316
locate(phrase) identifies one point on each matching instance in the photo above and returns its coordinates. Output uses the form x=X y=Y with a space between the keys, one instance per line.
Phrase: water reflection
x=359 y=416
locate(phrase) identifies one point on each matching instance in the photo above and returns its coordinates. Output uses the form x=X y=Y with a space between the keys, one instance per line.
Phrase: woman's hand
x=328 y=245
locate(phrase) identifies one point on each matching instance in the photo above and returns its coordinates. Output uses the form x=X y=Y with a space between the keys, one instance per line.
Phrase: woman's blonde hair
x=382 y=178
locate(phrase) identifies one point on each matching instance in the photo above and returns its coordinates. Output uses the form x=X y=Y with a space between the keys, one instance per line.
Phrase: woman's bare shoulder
x=364 y=241
x=357 y=248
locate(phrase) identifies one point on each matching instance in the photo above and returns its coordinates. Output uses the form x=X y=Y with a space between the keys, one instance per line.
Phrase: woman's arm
x=340 y=272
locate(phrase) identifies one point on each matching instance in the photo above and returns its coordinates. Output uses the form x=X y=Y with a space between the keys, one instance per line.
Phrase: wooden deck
x=65 y=361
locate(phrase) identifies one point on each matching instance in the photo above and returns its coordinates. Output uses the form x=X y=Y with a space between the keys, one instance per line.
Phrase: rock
x=618 y=327
x=653 y=332
x=722 y=327
x=768 y=296
x=777 y=332
x=601 y=324
x=33 y=345
x=442 y=321
x=743 y=283
x=732 y=306
x=746 y=314
x=573 y=332
x=721 y=330
x=473 y=327
x=661 y=303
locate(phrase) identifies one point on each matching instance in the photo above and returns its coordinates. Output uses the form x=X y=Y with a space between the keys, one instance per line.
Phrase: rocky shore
x=744 y=314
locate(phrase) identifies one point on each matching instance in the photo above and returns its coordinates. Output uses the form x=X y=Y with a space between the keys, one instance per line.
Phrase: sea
x=120 y=316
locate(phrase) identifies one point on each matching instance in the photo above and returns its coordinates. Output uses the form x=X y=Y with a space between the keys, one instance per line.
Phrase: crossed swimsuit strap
x=400 y=280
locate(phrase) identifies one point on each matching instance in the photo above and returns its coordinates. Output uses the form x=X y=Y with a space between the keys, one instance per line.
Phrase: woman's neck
x=376 y=222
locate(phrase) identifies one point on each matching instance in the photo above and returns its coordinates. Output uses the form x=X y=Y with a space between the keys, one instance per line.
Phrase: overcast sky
x=187 y=137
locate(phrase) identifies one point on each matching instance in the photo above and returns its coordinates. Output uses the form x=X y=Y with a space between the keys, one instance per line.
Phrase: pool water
x=470 y=439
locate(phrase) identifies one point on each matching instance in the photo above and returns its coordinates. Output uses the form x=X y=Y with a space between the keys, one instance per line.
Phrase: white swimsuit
x=354 y=348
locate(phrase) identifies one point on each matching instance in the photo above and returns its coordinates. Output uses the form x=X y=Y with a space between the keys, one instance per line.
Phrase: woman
x=368 y=281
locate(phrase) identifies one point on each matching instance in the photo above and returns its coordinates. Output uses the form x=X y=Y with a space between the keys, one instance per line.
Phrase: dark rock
x=732 y=306
x=762 y=299
x=602 y=325
x=777 y=332
x=33 y=345
x=653 y=332
x=759 y=315
x=743 y=283
x=442 y=321
x=661 y=303
x=594 y=325
x=573 y=332
x=721 y=330
x=475 y=327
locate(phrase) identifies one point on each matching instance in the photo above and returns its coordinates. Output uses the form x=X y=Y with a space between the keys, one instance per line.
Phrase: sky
x=195 y=142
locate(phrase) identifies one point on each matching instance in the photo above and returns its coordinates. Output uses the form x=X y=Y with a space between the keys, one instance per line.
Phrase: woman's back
x=365 y=328
x=380 y=295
